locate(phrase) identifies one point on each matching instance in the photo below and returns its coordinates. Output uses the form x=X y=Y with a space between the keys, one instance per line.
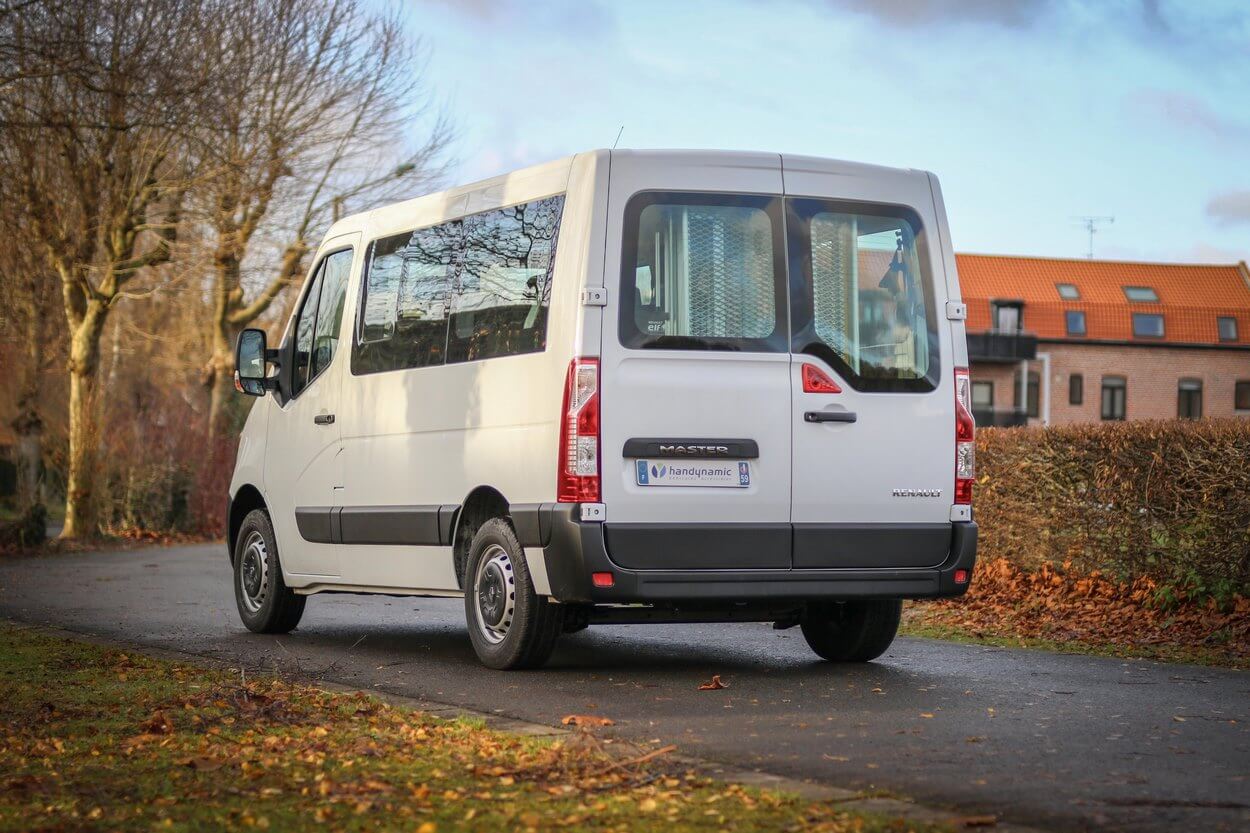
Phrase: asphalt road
x=1056 y=741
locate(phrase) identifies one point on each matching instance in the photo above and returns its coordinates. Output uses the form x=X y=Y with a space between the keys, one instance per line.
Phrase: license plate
x=732 y=474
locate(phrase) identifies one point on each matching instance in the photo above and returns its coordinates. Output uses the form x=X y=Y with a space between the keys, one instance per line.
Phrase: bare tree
x=93 y=139
x=313 y=107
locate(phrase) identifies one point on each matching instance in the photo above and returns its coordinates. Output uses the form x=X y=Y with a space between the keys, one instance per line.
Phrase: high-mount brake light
x=816 y=380
x=965 y=438
x=577 y=480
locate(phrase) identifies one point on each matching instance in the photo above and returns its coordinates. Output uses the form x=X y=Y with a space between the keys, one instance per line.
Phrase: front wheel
x=858 y=631
x=266 y=604
x=509 y=624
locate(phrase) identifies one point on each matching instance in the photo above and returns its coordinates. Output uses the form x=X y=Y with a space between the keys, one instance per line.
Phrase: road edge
x=729 y=773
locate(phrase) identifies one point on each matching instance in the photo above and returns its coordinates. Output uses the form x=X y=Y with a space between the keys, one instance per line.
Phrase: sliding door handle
x=324 y=419
x=830 y=416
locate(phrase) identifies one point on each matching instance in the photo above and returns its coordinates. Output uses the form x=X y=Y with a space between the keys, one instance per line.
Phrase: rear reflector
x=816 y=380
x=602 y=579
x=961 y=576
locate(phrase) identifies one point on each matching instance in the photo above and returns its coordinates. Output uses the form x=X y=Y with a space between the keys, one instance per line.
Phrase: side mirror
x=249 y=362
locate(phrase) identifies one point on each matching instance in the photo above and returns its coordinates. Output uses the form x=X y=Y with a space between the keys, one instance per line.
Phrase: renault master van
x=626 y=386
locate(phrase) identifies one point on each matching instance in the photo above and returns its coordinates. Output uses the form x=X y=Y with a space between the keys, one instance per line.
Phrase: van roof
x=360 y=220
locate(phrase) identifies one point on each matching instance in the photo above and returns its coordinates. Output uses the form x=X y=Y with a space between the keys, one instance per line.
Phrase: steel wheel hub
x=494 y=594
x=254 y=573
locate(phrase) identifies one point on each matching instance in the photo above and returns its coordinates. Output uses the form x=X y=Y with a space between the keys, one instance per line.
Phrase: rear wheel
x=266 y=604
x=856 y=631
x=509 y=624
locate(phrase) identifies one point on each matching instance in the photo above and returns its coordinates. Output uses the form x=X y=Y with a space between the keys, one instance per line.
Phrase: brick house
x=1054 y=341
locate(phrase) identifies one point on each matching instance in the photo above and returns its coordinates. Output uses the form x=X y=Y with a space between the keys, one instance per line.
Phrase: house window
x=1008 y=316
x=1189 y=399
x=1068 y=291
x=1241 y=395
x=1075 y=319
x=1076 y=389
x=1227 y=327
x=1114 y=392
x=982 y=396
x=1141 y=294
x=1030 y=404
x=1147 y=325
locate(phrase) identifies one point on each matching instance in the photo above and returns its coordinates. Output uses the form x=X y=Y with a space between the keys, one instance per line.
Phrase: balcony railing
x=995 y=346
x=1000 y=417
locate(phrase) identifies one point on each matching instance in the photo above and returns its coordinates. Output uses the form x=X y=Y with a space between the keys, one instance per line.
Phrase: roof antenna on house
x=1091 y=225
x=618 y=137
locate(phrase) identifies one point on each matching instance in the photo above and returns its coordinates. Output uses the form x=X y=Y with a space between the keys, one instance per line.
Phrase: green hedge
x=1165 y=499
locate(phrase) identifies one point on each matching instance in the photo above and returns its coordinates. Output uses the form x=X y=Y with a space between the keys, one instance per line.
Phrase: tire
x=266 y=604
x=510 y=625
x=858 y=631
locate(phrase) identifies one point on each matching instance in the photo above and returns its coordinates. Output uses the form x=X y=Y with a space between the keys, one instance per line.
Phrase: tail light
x=965 y=438
x=816 y=380
x=577 y=480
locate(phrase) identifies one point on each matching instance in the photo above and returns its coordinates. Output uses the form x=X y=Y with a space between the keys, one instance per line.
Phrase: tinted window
x=467 y=289
x=1114 y=393
x=1076 y=389
x=1189 y=399
x=335 y=270
x=703 y=271
x=304 y=329
x=1227 y=328
x=499 y=305
x=861 y=294
x=1068 y=291
x=1147 y=325
x=1076 y=322
x=408 y=295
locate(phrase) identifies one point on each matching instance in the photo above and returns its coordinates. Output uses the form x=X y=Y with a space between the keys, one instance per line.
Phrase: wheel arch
x=480 y=505
x=245 y=500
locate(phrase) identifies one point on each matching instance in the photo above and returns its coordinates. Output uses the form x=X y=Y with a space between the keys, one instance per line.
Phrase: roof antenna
x=1091 y=226
x=618 y=137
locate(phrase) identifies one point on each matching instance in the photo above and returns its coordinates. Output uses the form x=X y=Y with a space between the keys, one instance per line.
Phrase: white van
x=626 y=386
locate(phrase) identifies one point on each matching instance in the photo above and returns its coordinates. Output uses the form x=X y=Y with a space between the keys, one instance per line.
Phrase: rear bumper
x=575 y=550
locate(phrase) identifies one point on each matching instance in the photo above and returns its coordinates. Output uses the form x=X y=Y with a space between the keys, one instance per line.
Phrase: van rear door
x=696 y=422
x=873 y=388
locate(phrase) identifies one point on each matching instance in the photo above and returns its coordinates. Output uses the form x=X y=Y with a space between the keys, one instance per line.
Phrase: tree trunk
x=80 y=514
x=220 y=386
x=27 y=424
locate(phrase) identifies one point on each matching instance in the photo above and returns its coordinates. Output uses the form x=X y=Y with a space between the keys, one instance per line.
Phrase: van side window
x=703 y=272
x=469 y=289
x=304 y=327
x=499 y=307
x=334 y=272
x=862 y=296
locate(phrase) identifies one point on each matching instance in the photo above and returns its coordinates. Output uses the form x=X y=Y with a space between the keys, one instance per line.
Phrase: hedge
x=1168 y=500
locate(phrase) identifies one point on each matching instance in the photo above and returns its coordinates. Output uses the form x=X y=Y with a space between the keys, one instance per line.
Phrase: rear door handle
x=830 y=416
x=324 y=419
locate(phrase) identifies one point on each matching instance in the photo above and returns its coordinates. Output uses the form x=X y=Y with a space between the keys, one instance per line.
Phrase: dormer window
x=1068 y=291
x=1141 y=294
x=1007 y=316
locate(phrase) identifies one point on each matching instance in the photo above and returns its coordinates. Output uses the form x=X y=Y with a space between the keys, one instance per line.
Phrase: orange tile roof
x=1191 y=296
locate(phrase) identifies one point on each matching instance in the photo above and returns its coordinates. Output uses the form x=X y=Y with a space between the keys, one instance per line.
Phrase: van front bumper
x=574 y=551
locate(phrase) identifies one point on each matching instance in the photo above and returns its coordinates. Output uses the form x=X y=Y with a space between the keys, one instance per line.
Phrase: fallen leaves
x=586 y=720
x=713 y=684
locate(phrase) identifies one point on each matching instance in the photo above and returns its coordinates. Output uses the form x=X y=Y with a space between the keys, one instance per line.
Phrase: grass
x=93 y=738
x=926 y=627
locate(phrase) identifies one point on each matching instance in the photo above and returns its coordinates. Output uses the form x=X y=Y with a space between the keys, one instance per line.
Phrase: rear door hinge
x=595 y=296
x=956 y=311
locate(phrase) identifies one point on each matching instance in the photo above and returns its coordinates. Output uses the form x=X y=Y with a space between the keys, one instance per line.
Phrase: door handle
x=324 y=419
x=830 y=416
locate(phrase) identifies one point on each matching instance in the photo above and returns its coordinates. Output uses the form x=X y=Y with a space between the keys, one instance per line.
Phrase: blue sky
x=1031 y=112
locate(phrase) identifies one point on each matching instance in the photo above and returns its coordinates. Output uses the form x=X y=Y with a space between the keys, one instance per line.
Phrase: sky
x=1031 y=112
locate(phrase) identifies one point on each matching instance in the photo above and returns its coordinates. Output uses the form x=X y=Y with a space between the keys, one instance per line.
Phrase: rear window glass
x=862 y=295
x=703 y=271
